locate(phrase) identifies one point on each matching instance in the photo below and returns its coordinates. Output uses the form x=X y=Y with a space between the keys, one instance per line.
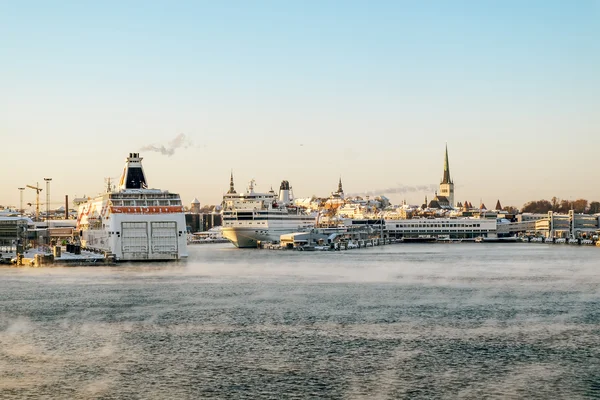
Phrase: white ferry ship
x=133 y=222
x=251 y=217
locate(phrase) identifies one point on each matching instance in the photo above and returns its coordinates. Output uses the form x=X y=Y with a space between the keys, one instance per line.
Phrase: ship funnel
x=284 y=192
x=133 y=174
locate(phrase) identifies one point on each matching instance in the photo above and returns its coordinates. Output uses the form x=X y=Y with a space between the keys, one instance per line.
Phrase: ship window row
x=438 y=225
x=145 y=203
x=438 y=230
x=249 y=223
x=117 y=196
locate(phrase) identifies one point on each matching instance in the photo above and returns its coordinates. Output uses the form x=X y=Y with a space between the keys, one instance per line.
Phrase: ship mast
x=109 y=185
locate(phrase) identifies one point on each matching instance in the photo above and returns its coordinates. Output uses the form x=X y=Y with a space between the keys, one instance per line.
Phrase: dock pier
x=330 y=240
x=59 y=256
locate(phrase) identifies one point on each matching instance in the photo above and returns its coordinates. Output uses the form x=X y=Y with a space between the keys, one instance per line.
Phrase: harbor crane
x=37 y=199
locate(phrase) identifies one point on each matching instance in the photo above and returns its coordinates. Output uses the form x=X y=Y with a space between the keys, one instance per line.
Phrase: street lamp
x=21 y=196
x=48 y=208
x=47 y=199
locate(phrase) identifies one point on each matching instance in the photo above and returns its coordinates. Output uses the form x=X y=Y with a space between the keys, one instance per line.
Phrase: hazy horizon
x=305 y=92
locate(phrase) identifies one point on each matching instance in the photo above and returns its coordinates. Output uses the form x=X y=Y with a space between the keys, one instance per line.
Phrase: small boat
x=322 y=248
x=419 y=239
x=306 y=248
x=448 y=239
x=509 y=239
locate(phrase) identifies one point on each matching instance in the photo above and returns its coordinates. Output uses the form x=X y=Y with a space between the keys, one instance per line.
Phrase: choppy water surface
x=400 y=321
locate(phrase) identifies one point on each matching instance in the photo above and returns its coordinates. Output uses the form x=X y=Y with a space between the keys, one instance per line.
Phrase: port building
x=553 y=225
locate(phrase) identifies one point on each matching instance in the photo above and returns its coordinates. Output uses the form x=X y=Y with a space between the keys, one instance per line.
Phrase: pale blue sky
x=303 y=91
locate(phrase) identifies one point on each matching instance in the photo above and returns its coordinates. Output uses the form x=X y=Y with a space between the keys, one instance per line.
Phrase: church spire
x=446 y=178
x=498 y=205
x=340 y=190
x=231 y=188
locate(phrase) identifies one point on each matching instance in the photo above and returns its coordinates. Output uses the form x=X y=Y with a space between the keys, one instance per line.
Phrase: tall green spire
x=446 y=178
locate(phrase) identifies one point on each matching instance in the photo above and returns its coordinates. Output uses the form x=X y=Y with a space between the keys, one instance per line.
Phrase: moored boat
x=133 y=222
x=251 y=218
x=509 y=239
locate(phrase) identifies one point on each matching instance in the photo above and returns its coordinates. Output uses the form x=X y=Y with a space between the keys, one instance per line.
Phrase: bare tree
x=580 y=205
x=555 y=203
x=594 y=207
x=511 y=209
x=565 y=206
x=538 y=207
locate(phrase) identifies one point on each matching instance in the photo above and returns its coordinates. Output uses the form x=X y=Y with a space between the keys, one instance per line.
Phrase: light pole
x=21 y=196
x=48 y=207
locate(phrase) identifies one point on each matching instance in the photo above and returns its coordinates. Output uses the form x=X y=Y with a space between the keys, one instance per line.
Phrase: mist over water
x=398 y=321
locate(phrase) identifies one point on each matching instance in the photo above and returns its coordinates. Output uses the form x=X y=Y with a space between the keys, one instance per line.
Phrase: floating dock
x=70 y=255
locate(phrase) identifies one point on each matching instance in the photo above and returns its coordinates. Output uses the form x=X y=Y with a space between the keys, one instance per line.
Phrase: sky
x=310 y=91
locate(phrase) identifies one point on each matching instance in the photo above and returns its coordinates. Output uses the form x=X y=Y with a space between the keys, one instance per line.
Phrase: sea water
x=425 y=321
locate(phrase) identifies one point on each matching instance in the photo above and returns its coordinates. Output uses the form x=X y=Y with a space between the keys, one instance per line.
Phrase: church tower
x=447 y=186
x=231 y=188
x=340 y=191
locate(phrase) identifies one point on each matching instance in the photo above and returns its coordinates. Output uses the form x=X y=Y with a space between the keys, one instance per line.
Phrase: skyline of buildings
x=441 y=198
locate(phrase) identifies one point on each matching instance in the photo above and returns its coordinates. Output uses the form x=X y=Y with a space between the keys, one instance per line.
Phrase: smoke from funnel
x=180 y=141
x=400 y=189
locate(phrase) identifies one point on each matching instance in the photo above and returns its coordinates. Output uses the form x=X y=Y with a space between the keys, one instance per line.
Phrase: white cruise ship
x=133 y=222
x=251 y=217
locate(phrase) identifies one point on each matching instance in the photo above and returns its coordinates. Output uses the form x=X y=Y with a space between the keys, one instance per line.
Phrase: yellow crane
x=37 y=199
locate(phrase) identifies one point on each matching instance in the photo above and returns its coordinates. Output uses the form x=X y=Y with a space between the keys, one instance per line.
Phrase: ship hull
x=133 y=233
x=140 y=237
x=249 y=238
x=243 y=237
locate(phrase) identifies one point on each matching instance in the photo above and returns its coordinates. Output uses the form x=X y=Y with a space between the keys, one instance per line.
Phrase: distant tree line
x=511 y=210
x=580 y=206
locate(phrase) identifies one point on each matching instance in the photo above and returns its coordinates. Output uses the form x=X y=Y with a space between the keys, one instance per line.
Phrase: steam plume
x=399 y=190
x=180 y=141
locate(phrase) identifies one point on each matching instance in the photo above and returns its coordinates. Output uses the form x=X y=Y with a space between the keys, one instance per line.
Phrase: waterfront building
x=352 y=210
x=212 y=220
x=440 y=202
x=530 y=217
x=553 y=225
x=195 y=206
x=203 y=219
x=14 y=230
x=58 y=230
x=453 y=228
x=433 y=228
